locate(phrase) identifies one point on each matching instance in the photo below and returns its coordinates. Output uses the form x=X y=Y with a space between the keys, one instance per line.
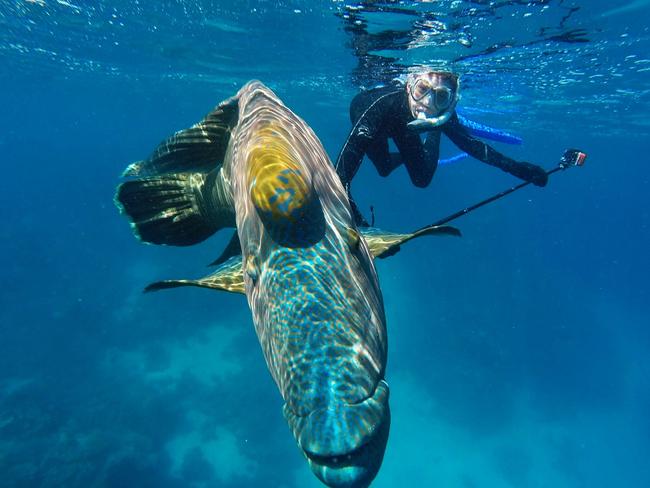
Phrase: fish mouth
x=355 y=469
x=345 y=443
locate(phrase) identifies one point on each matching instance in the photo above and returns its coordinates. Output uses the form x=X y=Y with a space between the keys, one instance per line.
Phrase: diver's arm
x=364 y=132
x=350 y=158
x=487 y=154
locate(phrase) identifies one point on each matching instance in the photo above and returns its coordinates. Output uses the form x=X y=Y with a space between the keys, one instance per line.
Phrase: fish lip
x=354 y=460
x=357 y=468
x=376 y=402
x=342 y=471
x=339 y=460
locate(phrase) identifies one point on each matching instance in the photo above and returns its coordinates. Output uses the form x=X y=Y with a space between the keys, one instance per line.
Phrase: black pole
x=467 y=210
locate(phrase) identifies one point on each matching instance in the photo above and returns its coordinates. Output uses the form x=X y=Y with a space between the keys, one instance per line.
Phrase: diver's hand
x=529 y=172
x=421 y=125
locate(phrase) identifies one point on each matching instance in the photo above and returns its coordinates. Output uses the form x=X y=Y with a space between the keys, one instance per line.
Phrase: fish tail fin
x=170 y=209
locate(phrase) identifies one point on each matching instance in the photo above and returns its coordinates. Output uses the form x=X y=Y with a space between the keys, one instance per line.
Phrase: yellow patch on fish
x=353 y=238
x=278 y=188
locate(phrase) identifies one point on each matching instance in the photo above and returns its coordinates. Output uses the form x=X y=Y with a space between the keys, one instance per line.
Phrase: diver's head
x=432 y=95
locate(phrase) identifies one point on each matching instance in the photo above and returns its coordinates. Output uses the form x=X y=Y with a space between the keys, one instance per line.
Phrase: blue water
x=519 y=354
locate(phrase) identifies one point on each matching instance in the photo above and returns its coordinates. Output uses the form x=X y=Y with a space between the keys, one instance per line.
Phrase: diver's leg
x=432 y=152
x=421 y=160
x=384 y=161
x=378 y=153
x=358 y=217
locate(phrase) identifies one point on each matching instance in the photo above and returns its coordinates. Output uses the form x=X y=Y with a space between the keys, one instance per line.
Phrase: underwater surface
x=519 y=355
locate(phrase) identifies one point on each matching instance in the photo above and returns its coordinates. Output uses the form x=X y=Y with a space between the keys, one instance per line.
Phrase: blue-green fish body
x=313 y=290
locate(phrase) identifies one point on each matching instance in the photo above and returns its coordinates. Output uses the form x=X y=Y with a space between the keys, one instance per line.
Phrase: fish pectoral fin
x=436 y=230
x=233 y=248
x=228 y=277
x=199 y=148
x=384 y=244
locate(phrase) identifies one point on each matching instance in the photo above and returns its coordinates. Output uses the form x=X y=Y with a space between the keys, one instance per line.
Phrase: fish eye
x=252 y=269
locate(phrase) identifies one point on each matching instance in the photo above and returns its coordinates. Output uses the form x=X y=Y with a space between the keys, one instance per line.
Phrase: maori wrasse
x=306 y=270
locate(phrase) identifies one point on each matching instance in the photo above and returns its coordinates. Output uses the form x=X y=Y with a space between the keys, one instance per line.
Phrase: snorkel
x=431 y=100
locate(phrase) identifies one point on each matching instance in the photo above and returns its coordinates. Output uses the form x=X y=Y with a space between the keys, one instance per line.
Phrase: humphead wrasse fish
x=307 y=271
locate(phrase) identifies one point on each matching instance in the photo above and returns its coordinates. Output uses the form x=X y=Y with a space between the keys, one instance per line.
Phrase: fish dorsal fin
x=233 y=248
x=383 y=244
x=201 y=148
x=227 y=277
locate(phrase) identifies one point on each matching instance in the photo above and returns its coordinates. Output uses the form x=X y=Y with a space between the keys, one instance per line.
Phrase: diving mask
x=439 y=97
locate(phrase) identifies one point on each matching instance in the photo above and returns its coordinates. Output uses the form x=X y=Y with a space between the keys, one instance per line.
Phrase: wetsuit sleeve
x=364 y=134
x=475 y=147
x=483 y=152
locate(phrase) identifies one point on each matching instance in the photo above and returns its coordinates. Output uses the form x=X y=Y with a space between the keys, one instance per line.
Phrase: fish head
x=327 y=341
x=345 y=443
x=313 y=291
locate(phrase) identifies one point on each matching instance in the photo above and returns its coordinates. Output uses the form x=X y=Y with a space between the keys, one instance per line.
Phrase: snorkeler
x=425 y=103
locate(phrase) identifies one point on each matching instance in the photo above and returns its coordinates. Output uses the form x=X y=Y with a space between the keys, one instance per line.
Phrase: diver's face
x=431 y=94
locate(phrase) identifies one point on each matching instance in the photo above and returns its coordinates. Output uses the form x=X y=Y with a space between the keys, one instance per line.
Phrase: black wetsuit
x=382 y=113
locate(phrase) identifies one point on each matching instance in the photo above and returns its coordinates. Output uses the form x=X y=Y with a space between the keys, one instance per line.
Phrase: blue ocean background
x=518 y=354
